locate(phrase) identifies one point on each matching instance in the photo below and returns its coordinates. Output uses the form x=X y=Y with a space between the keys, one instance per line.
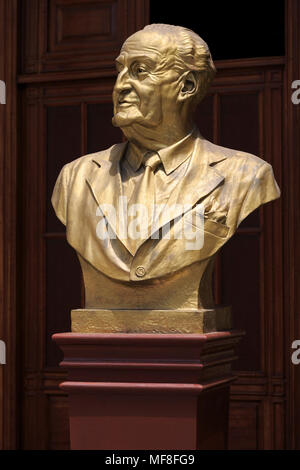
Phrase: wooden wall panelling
x=268 y=378
x=272 y=275
x=57 y=412
x=33 y=263
x=291 y=219
x=9 y=383
x=239 y=115
x=73 y=35
x=245 y=415
x=36 y=415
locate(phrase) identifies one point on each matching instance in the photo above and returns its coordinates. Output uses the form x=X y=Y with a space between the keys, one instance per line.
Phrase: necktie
x=141 y=203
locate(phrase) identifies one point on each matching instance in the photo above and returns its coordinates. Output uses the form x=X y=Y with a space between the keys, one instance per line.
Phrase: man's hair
x=191 y=53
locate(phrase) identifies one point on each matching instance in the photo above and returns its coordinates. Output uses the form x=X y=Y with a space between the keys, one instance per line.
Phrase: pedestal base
x=148 y=391
x=151 y=321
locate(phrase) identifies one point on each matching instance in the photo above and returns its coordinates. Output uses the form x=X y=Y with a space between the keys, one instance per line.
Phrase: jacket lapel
x=104 y=181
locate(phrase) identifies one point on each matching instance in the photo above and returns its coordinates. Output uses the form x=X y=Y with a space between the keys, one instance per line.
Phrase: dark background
x=232 y=29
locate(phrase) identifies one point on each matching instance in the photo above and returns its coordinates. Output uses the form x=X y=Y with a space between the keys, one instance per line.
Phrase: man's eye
x=138 y=69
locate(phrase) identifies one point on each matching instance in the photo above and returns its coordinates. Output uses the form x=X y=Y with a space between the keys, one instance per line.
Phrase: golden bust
x=147 y=216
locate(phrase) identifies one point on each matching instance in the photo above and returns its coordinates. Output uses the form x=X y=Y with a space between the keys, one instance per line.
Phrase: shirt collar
x=171 y=156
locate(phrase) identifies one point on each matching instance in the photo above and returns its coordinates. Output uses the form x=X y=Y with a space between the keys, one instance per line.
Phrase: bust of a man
x=147 y=216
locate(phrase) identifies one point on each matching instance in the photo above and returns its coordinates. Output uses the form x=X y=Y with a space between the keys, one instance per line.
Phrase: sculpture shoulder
x=83 y=164
x=242 y=170
x=248 y=183
x=72 y=177
x=229 y=159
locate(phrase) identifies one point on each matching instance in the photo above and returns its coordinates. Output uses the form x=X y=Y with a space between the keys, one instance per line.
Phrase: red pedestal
x=148 y=391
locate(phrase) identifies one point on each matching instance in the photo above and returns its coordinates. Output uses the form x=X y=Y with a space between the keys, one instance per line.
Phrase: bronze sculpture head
x=163 y=73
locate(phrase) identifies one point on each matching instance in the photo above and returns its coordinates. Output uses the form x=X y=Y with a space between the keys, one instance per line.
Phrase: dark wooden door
x=65 y=80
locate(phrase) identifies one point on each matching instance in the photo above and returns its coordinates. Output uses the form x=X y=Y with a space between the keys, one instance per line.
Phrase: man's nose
x=122 y=84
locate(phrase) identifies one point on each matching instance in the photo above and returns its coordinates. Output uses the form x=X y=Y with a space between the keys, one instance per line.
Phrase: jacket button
x=140 y=271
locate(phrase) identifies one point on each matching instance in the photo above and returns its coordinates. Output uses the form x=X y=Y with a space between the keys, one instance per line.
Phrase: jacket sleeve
x=60 y=195
x=263 y=189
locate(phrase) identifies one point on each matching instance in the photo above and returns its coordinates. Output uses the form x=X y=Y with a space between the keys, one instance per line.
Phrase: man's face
x=147 y=86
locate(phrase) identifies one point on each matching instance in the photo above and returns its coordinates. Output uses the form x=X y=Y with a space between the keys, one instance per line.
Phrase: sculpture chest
x=181 y=302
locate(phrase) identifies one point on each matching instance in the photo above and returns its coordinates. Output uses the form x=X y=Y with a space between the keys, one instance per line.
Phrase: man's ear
x=189 y=85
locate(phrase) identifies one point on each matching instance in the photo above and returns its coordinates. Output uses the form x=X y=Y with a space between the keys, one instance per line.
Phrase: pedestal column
x=148 y=391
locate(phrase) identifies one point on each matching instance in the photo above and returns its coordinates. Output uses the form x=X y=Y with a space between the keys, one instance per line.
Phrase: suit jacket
x=230 y=185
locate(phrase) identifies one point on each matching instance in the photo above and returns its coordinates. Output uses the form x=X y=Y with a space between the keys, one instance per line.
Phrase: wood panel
x=73 y=35
x=244 y=415
x=76 y=25
x=291 y=214
x=9 y=377
x=249 y=269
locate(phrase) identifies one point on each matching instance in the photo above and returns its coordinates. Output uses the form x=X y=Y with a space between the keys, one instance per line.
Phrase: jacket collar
x=171 y=157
